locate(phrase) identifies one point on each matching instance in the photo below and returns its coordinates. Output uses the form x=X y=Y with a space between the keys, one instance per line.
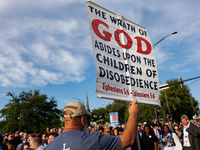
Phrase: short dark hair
x=22 y=147
x=155 y=125
x=120 y=129
x=101 y=128
x=54 y=134
x=37 y=140
x=148 y=126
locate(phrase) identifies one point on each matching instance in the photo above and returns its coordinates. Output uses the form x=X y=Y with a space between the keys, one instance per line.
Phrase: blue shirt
x=40 y=148
x=79 y=140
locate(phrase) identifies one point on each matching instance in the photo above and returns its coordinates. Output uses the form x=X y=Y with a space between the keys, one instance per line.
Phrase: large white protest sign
x=124 y=57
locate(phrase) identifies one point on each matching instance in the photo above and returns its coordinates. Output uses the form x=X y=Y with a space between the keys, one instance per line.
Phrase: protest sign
x=113 y=119
x=124 y=57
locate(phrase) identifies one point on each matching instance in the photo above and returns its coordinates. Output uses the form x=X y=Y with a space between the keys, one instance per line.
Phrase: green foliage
x=179 y=101
x=37 y=112
x=100 y=116
x=147 y=112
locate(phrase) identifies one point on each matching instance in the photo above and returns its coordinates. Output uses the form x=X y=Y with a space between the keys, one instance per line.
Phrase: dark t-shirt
x=78 y=140
x=148 y=141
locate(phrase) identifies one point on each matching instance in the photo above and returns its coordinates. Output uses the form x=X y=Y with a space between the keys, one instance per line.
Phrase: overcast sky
x=46 y=45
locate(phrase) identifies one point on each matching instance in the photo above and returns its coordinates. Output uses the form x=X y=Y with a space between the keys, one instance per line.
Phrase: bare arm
x=155 y=145
x=129 y=134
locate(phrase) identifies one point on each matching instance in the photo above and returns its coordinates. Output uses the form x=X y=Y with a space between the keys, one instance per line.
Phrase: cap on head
x=77 y=108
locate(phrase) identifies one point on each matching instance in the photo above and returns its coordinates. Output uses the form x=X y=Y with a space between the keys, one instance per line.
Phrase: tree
x=100 y=116
x=179 y=101
x=147 y=112
x=32 y=111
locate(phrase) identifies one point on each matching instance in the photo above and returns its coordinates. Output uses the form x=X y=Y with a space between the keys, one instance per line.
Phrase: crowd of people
x=76 y=134
x=26 y=141
x=159 y=136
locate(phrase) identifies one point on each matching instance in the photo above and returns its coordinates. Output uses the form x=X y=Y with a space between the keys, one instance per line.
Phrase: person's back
x=76 y=139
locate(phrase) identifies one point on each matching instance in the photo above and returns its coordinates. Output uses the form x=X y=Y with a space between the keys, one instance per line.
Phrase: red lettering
x=95 y=24
x=129 y=40
x=139 y=46
x=106 y=36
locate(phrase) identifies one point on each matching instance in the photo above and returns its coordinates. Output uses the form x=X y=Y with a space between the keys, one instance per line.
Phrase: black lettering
x=140 y=82
x=113 y=20
x=132 y=82
x=103 y=15
x=114 y=52
x=124 y=25
x=122 y=79
x=109 y=49
x=106 y=59
x=155 y=86
x=153 y=63
x=115 y=66
x=119 y=22
x=146 y=85
x=111 y=75
x=117 y=78
x=126 y=67
x=132 y=69
x=128 y=25
x=154 y=73
x=133 y=29
x=97 y=56
x=102 y=72
x=101 y=46
x=91 y=8
x=118 y=52
x=121 y=66
x=111 y=62
x=141 y=32
x=148 y=73
x=96 y=44
x=150 y=84
x=127 y=81
x=98 y=12
x=107 y=73
x=139 y=70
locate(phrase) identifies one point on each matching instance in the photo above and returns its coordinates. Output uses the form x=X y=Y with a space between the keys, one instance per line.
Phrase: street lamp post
x=154 y=45
x=164 y=90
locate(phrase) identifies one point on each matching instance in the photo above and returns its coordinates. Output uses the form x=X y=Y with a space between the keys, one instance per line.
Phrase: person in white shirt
x=157 y=134
x=189 y=134
x=170 y=141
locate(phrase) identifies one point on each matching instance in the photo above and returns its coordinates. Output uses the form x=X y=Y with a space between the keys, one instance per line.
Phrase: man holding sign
x=73 y=137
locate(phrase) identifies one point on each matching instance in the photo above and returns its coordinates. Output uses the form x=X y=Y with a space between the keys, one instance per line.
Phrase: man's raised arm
x=128 y=137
